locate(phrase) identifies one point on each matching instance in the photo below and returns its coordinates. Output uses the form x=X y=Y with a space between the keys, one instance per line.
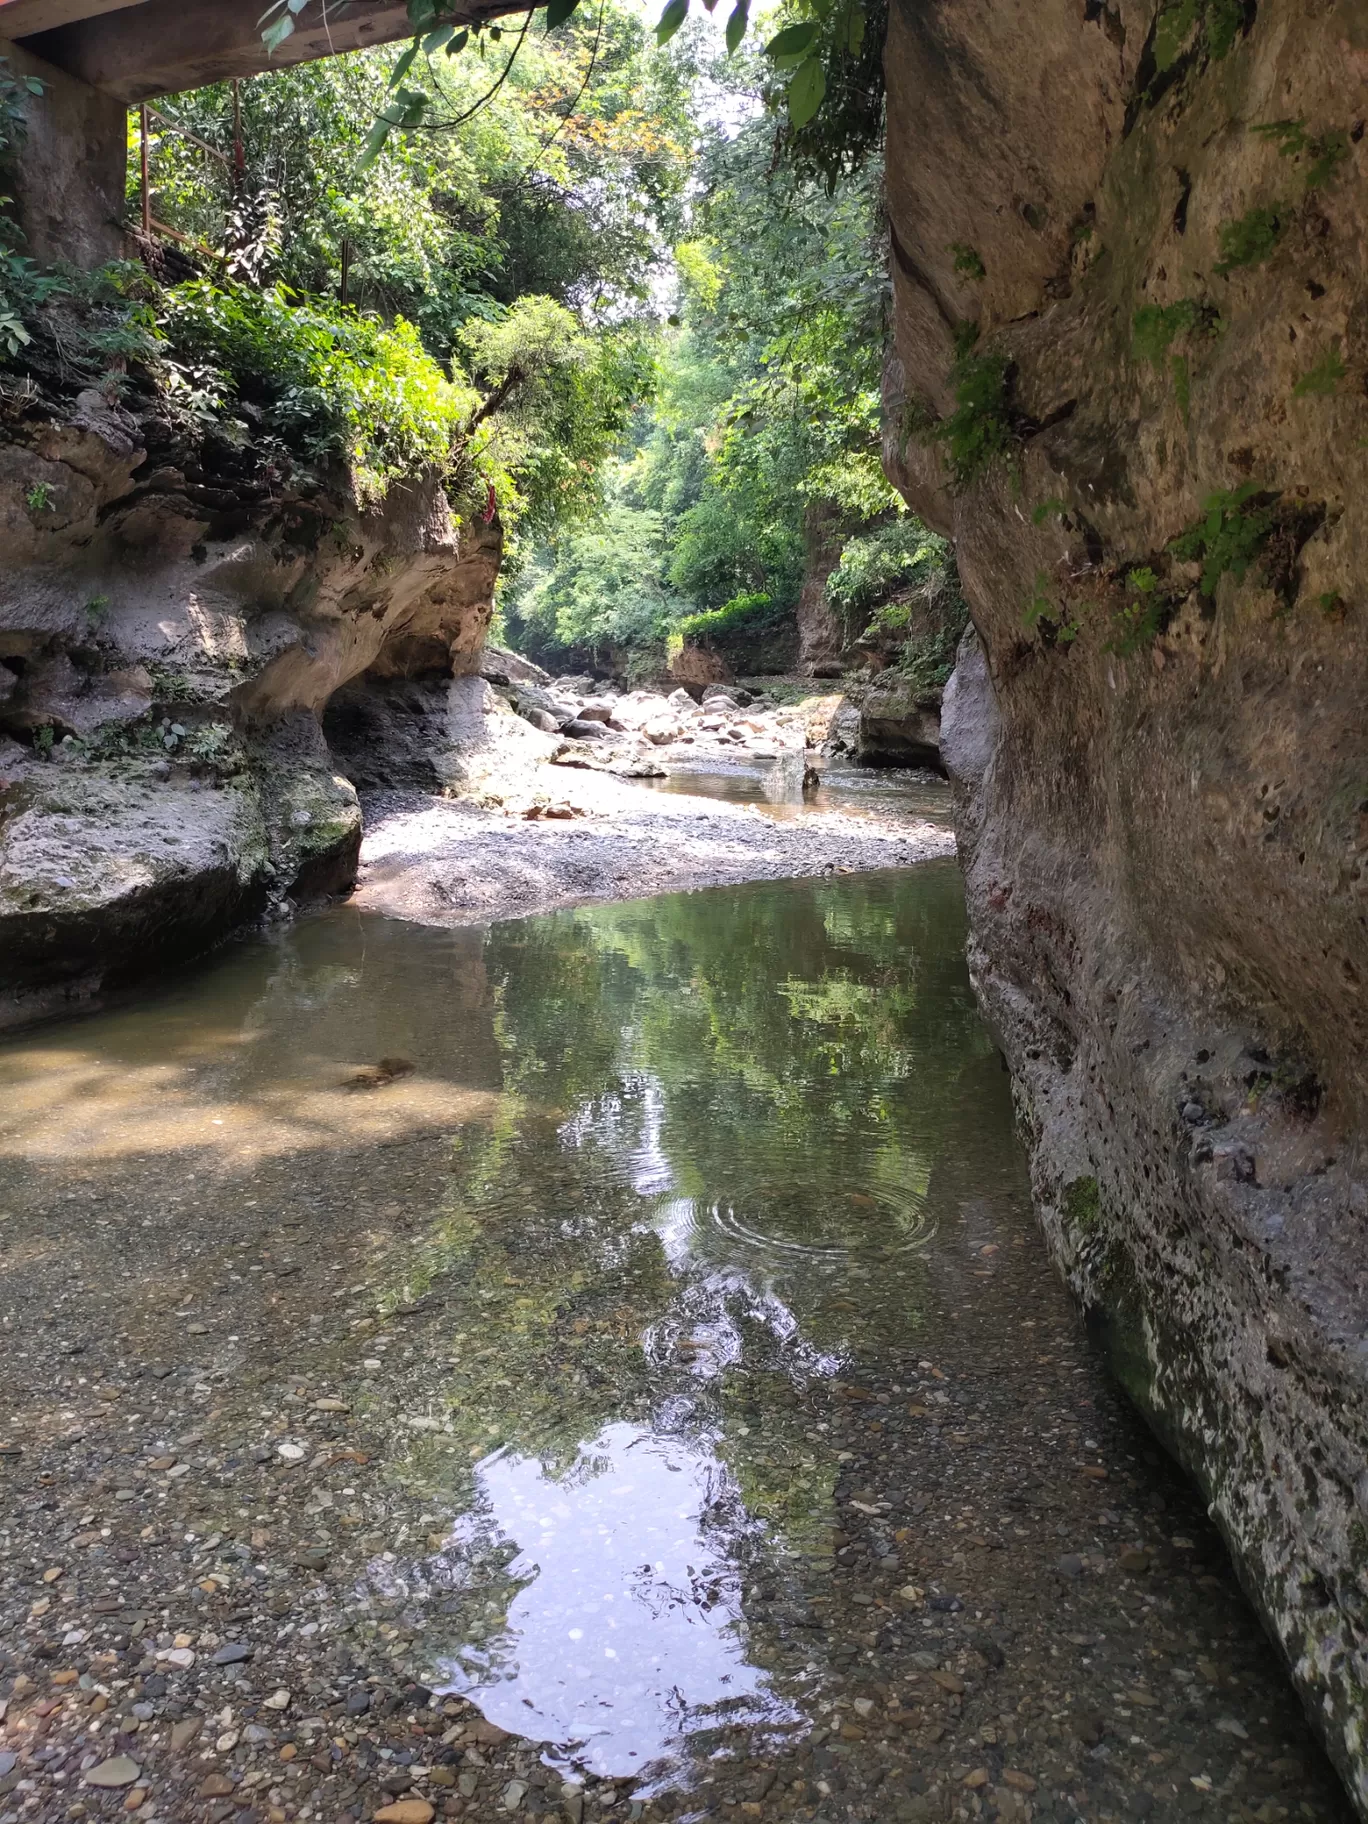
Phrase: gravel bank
x=589 y=836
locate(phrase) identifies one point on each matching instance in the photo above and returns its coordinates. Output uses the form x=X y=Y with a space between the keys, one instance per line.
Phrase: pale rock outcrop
x=177 y=609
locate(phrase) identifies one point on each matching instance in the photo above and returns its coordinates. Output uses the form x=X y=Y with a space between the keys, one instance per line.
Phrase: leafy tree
x=523 y=244
x=557 y=401
x=603 y=593
x=768 y=395
x=334 y=384
x=568 y=183
x=823 y=47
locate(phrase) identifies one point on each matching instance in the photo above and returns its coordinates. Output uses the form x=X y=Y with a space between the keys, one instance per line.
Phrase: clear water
x=715 y=1402
x=776 y=787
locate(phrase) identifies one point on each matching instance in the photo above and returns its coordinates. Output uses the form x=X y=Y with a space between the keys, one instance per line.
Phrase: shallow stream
x=630 y=1319
x=776 y=786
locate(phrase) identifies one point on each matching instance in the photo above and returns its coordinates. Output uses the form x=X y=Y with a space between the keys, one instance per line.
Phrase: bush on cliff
x=327 y=381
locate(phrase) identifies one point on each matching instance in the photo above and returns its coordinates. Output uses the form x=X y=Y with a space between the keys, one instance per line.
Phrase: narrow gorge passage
x=603 y=1366
x=683 y=911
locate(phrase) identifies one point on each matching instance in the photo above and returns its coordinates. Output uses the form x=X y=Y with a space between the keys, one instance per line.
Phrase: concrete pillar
x=68 y=178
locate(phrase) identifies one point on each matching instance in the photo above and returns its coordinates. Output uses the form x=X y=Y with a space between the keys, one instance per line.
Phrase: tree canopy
x=630 y=293
x=767 y=406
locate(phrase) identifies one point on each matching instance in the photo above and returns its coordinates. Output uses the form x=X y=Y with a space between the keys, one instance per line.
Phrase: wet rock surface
x=295 y=1363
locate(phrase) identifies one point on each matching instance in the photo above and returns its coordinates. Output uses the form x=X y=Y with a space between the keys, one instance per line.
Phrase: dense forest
x=606 y=281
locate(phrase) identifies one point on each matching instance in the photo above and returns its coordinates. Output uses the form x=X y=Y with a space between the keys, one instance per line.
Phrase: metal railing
x=234 y=163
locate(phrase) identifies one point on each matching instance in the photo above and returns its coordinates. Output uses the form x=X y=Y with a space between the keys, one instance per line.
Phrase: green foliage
x=828 y=38
x=1250 y=240
x=43 y=740
x=1082 y=1205
x=565 y=185
x=766 y=417
x=1172 y=30
x=1144 y=617
x=326 y=379
x=805 y=91
x=844 y=57
x=1055 y=621
x=213 y=746
x=599 y=589
x=38 y=498
x=15 y=94
x=827 y=59
x=770 y=398
x=14 y=336
x=978 y=433
x=1322 y=378
x=967 y=262
x=1326 y=151
x=97 y=610
x=1332 y=604
x=897 y=557
x=23 y=286
x=927 y=659
x=1053 y=508
x=1224 y=21
x=748 y=613
x=170 y=686
x=208 y=747
x=531 y=235
x=565 y=400
x=1227 y=539
x=1155 y=327
x=1182 y=384
x=1219 y=23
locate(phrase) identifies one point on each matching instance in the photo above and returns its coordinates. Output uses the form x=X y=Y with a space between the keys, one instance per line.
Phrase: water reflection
x=689 y=1151
x=625 y=1636
x=776 y=787
x=682 y=1297
x=718 y=1184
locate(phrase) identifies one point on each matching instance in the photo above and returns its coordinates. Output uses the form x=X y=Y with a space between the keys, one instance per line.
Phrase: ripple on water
x=822 y=1223
x=709 y=1210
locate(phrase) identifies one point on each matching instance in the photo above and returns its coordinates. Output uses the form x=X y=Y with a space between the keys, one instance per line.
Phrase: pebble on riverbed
x=967 y=1621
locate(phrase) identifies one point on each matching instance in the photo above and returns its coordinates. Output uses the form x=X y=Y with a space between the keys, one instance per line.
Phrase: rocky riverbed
x=539 y=801
x=373 y=1254
x=584 y=837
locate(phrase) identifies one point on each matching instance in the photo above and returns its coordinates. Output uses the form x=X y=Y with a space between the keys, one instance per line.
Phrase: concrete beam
x=160 y=47
x=22 y=18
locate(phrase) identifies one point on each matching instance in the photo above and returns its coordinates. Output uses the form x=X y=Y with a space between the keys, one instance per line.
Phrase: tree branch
x=510 y=382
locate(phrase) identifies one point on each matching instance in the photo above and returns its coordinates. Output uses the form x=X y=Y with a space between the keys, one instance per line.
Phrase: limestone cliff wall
x=177 y=608
x=1157 y=220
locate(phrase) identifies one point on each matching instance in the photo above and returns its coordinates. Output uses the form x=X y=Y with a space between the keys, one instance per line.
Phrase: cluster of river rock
x=636 y=723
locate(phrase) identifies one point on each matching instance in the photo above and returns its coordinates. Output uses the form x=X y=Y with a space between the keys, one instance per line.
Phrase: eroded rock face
x=899 y=725
x=1160 y=757
x=176 y=610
